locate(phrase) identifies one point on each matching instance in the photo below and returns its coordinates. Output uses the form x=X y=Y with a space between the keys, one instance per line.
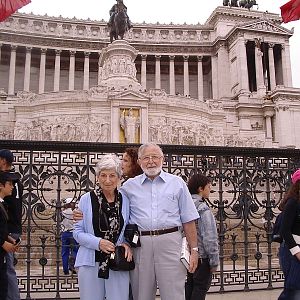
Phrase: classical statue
x=241 y=3
x=119 y=21
x=129 y=124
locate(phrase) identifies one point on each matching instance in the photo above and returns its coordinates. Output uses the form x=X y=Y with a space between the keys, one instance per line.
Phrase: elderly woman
x=105 y=215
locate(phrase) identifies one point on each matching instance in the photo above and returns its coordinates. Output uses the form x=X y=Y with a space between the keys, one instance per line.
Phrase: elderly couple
x=161 y=206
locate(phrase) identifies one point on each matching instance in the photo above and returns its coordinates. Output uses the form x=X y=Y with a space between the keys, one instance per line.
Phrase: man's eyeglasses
x=154 y=158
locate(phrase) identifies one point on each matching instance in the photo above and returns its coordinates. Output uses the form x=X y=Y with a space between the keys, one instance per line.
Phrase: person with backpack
x=290 y=231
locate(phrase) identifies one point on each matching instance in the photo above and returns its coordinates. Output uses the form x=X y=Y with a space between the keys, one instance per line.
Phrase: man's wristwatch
x=195 y=249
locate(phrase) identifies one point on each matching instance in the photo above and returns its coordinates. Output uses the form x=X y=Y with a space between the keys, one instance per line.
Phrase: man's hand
x=298 y=255
x=193 y=261
x=77 y=215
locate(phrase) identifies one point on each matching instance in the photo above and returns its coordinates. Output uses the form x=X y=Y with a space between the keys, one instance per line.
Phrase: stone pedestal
x=117 y=66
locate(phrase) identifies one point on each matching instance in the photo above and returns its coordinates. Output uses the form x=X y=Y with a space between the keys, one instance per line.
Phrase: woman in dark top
x=290 y=250
x=105 y=215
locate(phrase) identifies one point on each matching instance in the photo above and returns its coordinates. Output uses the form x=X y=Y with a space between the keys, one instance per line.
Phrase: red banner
x=8 y=7
x=290 y=11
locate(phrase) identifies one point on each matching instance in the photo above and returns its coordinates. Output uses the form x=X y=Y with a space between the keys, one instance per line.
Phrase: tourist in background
x=105 y=215
x=13 y=204
x=130 y=166
x=7 y=244
x=290 y=231
x=199 y=282
x=69 y=246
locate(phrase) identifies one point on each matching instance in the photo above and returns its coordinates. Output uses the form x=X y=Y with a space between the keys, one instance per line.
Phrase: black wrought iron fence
x=248 y=185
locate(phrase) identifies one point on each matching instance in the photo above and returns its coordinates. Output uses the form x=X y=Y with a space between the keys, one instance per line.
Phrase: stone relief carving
x=6 y=134
x=26 y=96
x=98 y=91
x=118 y=66
x=265 y=26
x=64 y=128
x=235 y=140
x=182 y=132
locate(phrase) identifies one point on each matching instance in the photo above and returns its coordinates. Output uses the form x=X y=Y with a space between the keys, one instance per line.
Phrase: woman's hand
x=106 y=246
x=9 y=247
x=77 y=215
x=128 y=252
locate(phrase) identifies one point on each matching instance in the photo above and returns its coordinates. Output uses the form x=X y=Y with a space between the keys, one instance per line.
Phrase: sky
x=162 y=11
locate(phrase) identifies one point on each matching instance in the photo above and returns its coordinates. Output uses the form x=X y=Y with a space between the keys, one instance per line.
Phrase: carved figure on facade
x=130 y=124
x=26 y=96
x=99 y=90
x=6 y=134
x=181 y=132
x=99 y=129
x=235 y=140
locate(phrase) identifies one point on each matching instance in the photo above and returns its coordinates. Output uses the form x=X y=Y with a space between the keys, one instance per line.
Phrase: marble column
x=99 y=70
x=27 y=69
x=186 y=76
x=12 y=70
x=272 y=67
x=268 y=116
x=57 y=70
x=284 y=125
x=72 y=70
x=214 y=76
x=242 y=65
x=223 y=67
x=42 y=71
x=157 y=72
x=172 y=74
x=144 y=71
x=261 y=88
x=286 y=65
x=86 y=71
x=200 y=79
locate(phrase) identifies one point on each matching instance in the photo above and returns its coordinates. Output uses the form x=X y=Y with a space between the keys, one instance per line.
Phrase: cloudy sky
x=163 y=11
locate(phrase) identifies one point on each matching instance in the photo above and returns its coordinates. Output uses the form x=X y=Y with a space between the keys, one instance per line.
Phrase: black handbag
x=118 y=262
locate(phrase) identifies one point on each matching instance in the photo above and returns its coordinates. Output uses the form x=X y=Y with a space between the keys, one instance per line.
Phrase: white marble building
x=224 y=83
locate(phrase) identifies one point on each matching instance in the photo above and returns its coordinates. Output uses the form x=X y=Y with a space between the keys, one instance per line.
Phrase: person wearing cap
x=7 y=244
x=290 y=231
x=68 y=243
x=13 y=204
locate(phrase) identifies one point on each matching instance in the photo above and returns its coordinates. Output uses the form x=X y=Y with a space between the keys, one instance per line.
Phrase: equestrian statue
x=241 y=3
x=119 y=21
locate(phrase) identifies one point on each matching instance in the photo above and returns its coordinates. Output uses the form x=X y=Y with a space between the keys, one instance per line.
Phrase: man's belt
x=159 y=231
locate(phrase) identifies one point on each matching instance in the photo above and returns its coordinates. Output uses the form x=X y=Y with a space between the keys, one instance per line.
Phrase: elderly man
x=13 y=205
x=160 y=204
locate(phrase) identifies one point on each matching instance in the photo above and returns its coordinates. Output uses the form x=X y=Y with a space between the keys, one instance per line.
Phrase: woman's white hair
x=108 y=162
